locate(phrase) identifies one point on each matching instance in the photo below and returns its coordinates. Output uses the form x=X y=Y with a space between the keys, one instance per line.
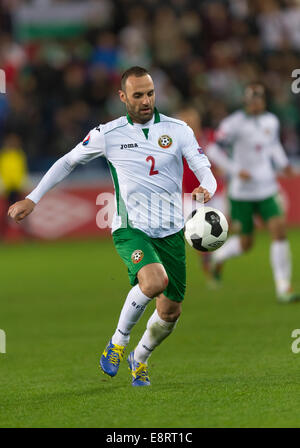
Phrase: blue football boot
x=110 y=360
x=139 y=372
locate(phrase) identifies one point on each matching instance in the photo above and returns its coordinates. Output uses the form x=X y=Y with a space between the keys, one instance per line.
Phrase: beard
x=141 y=115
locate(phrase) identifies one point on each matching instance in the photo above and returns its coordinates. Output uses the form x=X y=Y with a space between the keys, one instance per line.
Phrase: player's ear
x=122 y=96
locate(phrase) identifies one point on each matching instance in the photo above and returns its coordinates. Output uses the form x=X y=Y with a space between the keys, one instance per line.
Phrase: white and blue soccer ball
x=206 y=229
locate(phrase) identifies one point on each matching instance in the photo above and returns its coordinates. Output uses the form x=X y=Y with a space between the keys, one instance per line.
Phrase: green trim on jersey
x=137 y=250
x=119 y=200
x=156 y=116
x=129 y=119
x=146 y=132
x=243 y=212
x=116 y=184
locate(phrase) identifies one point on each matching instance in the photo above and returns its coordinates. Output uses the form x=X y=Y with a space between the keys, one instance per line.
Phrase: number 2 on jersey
x=152 y=170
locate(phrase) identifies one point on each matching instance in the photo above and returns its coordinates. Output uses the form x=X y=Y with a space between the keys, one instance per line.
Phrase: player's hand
x=200 y=194
x=21 y=209
x=244 y=175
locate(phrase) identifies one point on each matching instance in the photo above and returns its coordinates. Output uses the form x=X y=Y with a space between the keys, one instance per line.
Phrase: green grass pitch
x=228 y=364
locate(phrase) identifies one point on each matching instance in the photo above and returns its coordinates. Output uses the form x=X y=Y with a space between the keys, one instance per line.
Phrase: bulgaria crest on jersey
x=165 y=141
x=137 y=256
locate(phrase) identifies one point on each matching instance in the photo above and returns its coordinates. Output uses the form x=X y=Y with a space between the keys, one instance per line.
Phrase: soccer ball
x=206 y=229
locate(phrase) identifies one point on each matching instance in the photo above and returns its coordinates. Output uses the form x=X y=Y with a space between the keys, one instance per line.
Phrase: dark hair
x=133 y=71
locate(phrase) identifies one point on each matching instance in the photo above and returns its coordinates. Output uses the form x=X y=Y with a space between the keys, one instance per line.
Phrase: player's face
x=139 y=98
x=255 y=100
x=256 y=106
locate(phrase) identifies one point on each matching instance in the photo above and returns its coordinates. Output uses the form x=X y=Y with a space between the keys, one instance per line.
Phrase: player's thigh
x=271 y=212
x=168 y=309
x=242 y=213
x=135 y=249
x=171 y=251
x=152 y=279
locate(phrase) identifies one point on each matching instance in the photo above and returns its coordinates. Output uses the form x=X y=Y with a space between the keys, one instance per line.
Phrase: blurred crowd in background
x=63 y=61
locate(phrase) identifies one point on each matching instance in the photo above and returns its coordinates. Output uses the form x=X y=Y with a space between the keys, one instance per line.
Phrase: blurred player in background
x=13 y=175
x=144 y=150
x=191 y=116
x=252 y=137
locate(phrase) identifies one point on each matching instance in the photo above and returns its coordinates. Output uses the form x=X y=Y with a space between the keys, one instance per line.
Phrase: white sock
x=132 y=310
x=157 y=330
x=281 y=265
x=231 y=248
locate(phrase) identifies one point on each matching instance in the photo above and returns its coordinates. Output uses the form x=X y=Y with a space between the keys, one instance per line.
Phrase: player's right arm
x=278 y=155
x=90 y=148
x=199 y=164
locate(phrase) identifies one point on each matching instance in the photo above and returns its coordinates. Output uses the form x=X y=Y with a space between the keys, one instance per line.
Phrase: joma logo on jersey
x=129 y=146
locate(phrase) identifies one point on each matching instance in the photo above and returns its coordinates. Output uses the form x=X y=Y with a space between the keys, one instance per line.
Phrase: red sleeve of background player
x=190 y=181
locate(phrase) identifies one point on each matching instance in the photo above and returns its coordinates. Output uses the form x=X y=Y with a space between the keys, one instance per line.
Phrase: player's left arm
x=200 y=165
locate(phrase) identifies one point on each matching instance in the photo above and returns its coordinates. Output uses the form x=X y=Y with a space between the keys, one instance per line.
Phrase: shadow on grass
x=34 y=397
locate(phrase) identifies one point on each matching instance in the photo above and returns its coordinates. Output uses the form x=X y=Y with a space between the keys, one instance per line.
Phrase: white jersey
x=146 y=166
x=255 y=147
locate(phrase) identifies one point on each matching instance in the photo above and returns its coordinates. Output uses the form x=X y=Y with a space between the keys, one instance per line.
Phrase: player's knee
x=152 y=288
x=281 y=237
x=160 y=284
x=279 y=234
x=170 y=315
x=277 y=228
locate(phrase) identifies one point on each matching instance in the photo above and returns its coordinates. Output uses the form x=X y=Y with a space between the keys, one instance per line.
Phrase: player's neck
x=254 y=114
x=145 y=124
